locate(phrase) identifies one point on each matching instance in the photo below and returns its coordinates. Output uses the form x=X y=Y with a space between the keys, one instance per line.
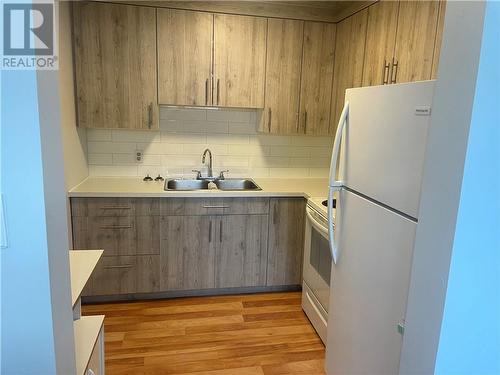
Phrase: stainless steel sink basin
x=226 y=184
x=179 y=184
x=237 y=184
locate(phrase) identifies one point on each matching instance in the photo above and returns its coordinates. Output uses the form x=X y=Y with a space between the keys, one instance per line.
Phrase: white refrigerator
x=376 y=168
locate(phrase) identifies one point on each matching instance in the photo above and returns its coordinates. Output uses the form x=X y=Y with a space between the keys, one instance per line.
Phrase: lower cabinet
x=241 y=256
x=187 y=252
x=192 y=244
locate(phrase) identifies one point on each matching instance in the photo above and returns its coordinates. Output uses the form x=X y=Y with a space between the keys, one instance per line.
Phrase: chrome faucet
x=210 y=172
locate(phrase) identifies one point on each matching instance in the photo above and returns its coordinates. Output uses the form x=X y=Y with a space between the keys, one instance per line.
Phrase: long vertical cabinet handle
x=394 y=73
x=220 y=238
x=206 y=92
x=305 y=122
x=269 y=120
x=385 y=72
x=150 y=115
x=334 y=184
x=210 y=231
x=218 y=91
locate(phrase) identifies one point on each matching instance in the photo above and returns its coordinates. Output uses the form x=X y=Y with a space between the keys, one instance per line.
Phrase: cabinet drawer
x=213 y=206
x=114 y=206
x=118 y=235
x=125 y=274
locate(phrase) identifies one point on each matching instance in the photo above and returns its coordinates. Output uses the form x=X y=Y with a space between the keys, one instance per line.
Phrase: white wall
x=230 y=134
x=74 y=138
x=442 y=178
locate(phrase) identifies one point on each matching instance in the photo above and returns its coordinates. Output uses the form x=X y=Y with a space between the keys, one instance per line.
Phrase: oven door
x=317 y=257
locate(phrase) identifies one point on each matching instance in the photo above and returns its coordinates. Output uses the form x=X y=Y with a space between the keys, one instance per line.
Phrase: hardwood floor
x=257 y=334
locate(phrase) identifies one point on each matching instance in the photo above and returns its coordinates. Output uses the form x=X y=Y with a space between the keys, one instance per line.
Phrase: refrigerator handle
x=335 y=185
x=336 y=145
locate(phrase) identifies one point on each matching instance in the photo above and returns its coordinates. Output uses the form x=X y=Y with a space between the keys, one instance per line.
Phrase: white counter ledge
x=81 y=265
x=135 y=187
x=89 y=343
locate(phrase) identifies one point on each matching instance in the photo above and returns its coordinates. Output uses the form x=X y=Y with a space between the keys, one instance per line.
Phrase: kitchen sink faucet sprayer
x=210 y=172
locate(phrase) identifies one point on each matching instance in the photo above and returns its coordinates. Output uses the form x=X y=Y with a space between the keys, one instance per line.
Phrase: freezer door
x=369 y=288
x=385 y=141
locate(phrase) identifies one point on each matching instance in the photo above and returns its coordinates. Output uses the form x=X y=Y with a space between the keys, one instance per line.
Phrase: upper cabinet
x=439 y=39
x=415 y=40
x=239 y=61
x=115 y=65
x=184 y=57
x=380 y=42
x=316 y=80
x=349 y=55
x=283 y=66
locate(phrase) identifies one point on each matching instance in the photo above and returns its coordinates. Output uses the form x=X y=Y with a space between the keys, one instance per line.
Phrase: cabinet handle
x=120 y=266
x=150 y=115
x=115 y=227
x=297 y=121
x=305 y=122
x=385 y=73
x=394 y=74
x=218 y=90
x=269 y=120
x=210 y=231
x=206 y=92
x=215 y=206
x=220 y=237
x=115 y=208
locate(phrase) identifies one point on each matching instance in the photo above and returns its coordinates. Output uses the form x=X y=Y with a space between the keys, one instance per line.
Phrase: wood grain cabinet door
x=380 y=42
x=286 y=241
x=187 y=252
x=241 y=257
x=316 y=80
x=115 y=58
x=184 y=57
x=439 y=39
x=349 y=56
x=283 y=67
x=239 y=61
x=415 y=38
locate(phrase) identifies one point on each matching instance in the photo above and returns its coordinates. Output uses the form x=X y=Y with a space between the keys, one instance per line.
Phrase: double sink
x=235 y=184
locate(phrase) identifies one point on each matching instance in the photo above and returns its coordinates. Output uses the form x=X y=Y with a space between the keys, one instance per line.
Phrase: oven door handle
x=320 y=228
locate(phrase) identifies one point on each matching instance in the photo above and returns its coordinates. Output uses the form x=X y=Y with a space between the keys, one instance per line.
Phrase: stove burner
x=325 y=203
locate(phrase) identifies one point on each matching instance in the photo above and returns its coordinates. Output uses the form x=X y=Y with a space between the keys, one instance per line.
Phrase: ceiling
x=327 y=11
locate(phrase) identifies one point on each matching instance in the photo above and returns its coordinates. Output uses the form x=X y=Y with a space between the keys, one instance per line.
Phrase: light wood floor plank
x=258 y=334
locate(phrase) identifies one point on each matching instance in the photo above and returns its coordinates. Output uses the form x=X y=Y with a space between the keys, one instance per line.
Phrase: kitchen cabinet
x=349 y=56
x=239 y=61
x=380 y=42
x=439 y=39
x=415 y=40
x=286 y=241
x=241 y=256
x=188 y=252
x=115 y=66
x=184 y=57
x=316 y=78
x=283 y=69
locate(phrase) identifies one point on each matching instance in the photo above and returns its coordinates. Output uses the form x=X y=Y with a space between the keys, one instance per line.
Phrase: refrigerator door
x=369 y=288
x=385 y=142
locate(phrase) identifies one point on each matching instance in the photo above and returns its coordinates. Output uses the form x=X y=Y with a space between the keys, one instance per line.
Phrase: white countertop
x=86 y=331
x=135 y=187
x=81 y=265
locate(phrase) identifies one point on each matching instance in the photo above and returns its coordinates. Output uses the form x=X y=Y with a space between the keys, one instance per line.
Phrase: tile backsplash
x=185 y=133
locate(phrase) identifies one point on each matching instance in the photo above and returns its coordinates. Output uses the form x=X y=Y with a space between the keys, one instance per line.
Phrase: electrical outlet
x=138 y=156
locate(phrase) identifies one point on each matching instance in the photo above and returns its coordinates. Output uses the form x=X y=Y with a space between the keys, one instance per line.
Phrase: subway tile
x=134 y=136
x=269 y=162
x=112 y=171
x=151 y=159
x=270 y=140
x=231 y=161
x=311 y=141
x=292 y=151
x=289 y=172
x=183 y=138
x=152 y=170
x=100 y=159
x=181 y=161
x=227 y=139
x=319 y=152
x=100 y=135
x=242 y=128
x=159 y=148
x=309 y=162
x=319 y=172
x=110 y=147
x=126 y=159
x=248 y=150
x=198 y=149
